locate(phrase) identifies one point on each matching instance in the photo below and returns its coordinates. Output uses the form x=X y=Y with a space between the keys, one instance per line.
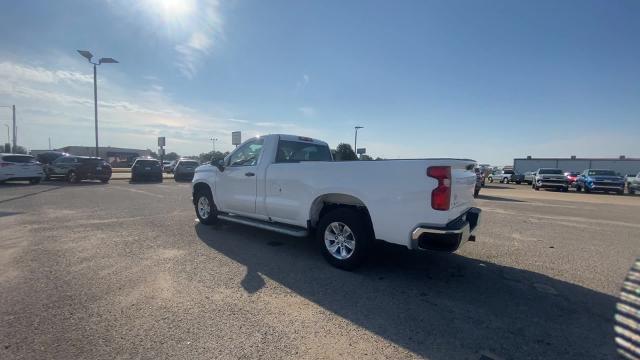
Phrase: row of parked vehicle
x=72 y=168
x=589 y=180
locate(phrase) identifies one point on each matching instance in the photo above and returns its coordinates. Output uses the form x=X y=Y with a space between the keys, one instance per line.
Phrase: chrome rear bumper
x=450 y=237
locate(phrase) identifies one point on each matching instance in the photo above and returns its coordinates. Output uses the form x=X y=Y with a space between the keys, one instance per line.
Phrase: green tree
x=344 y=152
x=365 y=157
x=214 y=156
x=171 y=156
x=153 y=154
x=19 y=150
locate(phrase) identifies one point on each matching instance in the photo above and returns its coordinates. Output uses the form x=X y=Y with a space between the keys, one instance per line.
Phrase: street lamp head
x=359 y=127
x=86 y=54
x=107 y=61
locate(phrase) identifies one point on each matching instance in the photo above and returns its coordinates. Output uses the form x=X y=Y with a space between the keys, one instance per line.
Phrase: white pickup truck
x=290 y=184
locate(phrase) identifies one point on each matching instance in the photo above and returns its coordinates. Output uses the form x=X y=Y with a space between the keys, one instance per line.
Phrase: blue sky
x=489 y=80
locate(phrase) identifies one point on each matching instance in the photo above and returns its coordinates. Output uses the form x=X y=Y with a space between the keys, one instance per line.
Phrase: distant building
x=117 y=157
x=621 y=165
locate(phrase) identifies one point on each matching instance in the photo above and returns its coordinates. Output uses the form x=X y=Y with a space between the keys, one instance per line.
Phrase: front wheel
x=344 y=238
x=205 y=208
x=490 y=180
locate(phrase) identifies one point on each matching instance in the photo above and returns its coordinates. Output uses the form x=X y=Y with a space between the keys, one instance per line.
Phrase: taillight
x=4 y=164
x=441 y=195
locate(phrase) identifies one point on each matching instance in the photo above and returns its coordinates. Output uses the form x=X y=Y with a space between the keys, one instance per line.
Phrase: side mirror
x=220 y=165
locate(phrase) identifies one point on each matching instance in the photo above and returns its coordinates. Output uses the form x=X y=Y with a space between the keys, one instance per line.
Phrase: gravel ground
x=124 y=271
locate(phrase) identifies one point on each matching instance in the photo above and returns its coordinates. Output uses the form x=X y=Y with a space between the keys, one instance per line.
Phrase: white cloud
x=302 y=83
x=12 y=72
x=307 y=111
x=50 y=104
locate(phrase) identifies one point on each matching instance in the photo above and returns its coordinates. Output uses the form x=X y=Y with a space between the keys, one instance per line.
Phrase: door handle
x=249 y=174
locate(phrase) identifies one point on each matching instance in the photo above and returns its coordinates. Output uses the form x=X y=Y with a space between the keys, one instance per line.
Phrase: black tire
x=34 y=181
x=206 y=218
x=490 y=179
x=578 y=188
x=476 y=192
x=564 y=189
x=72 y=177
x=361 y=234
x=620 y=192
x=104 y=181
x=586 y=190
x=518 y=182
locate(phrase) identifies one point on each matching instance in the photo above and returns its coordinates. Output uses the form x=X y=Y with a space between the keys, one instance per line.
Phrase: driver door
x=237 y=186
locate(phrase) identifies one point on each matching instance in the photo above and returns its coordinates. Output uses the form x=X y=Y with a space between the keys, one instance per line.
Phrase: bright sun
x=173 y=10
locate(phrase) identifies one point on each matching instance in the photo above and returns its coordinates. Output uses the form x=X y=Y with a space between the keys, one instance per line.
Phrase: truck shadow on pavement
x=497 y=198
x=439 y=306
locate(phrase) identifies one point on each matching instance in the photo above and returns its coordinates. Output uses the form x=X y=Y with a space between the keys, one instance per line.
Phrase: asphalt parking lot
x=124 y=271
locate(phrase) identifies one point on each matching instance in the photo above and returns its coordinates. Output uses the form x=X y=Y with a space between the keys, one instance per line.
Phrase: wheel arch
x=202 y=186
x=322 y=204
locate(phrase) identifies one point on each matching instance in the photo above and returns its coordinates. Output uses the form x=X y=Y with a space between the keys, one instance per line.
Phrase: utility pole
x=355 y=141
x=213 y=141
x=15 y=130
x=8 y=136
x=89 y=56
x=49 y=142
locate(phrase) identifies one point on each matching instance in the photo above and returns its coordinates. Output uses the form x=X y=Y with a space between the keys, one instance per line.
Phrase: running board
x=277 y=227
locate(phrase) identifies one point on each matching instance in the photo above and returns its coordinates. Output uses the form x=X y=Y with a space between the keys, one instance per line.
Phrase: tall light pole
x=355 y=141
x=15 y=132
x=213 y=141
x=89 y=56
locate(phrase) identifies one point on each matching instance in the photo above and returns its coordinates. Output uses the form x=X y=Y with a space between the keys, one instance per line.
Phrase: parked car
x=503 y=176
x=572 y=176
x=517 y=178
x=49 y=156
x=548 y=178
x=529 y=176
x=20 y=167
x=479 y=183
x=146 y=169
x=185 y=169
x=77 y=168
x=633 y=183
x=289 y=184
x=599 y=180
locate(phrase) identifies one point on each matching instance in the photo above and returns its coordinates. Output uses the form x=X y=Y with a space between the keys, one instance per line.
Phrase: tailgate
x=463 y=180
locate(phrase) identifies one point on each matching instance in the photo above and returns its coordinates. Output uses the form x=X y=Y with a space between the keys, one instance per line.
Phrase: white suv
x=20 y=167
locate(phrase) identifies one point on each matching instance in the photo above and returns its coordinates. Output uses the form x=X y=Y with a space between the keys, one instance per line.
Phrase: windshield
x=147 y=163
x=189 y=163
x=601 y=173
x=550 y=171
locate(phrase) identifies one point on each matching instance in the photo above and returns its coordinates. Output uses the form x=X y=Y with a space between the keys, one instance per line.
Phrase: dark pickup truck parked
x=599 y=180
x=77 y=168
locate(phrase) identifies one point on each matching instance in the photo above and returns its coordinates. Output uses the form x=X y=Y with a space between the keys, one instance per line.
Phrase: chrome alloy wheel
x=204 y=208
x=339 y=240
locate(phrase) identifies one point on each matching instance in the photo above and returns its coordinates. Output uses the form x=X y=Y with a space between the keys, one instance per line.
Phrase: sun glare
x=173 y=10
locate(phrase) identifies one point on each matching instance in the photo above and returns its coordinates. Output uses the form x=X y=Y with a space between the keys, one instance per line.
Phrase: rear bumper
x=450 y=237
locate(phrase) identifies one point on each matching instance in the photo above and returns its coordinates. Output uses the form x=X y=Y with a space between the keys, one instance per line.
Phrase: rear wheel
x=345 y=238
x=104 y=181
x=630 y=191
x=578 y=188
x=205 y=208
x=34 y=181
x=72 y=177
